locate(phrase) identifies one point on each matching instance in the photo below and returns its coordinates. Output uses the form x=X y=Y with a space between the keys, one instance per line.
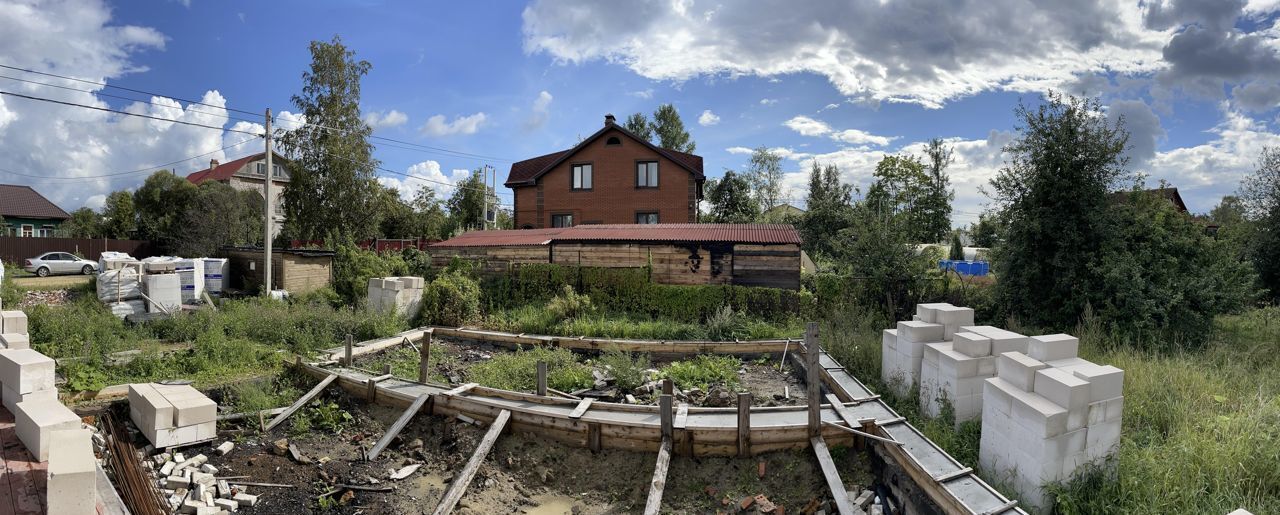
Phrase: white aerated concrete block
x=1018 y=369
x=36 y=421
x=1064 y=389
x=15 y=341
x=165 y=292
x=148 y=409
x=1053 y=347
x=72 y=475
x=1040 y=417
x=12 y=398
x=26 y=371
x=1105 y=381
x=971 y=344
x=928 y=313
x=13 y=321
x=919 y=332
x=1002 y=341
x=190 y=407
x=952 y=318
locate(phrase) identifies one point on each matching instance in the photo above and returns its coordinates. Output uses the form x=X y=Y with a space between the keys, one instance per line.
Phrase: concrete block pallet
x=400 y=295
x=172 y=415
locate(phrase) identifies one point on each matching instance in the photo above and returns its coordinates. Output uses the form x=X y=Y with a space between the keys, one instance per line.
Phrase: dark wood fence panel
x=14 y=249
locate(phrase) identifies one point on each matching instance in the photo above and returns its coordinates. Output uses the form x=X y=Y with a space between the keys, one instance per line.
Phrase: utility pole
x=268 y=213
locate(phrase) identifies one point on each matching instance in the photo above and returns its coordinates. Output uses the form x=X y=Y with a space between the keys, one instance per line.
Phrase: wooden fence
x=13 y=250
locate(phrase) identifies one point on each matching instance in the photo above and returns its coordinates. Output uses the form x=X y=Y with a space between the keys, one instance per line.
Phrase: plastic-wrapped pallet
x=191 y=279
x=165 y=293
x=110 y=260
x=1042 y=419
x=129 y=307
x=214 y=270
x=119 y=284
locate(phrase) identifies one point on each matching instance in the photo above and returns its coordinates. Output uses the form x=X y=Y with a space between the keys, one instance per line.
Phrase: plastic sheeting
x=214 y=268
x=191 y=279
x=119 y=285
x=126 y=308
x=165 y=293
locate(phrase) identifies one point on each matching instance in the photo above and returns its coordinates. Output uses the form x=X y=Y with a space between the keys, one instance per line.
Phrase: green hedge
x=628 y=290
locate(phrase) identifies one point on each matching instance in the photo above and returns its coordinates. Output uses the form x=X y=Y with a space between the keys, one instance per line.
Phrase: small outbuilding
x=295 y=270
x=740 y=254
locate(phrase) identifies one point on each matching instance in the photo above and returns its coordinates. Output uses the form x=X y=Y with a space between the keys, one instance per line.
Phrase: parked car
x=59 y=263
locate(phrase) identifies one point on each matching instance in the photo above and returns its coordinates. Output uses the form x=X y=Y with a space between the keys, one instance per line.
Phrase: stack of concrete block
x=903 y=350
x=13 y=330
x=72 y=476
x=191 y=280
x=1047 y=413
x=172 y=415
x=214 y=269
x=26 y=376
x=956 y=370
x=164 y=291
x=399 y=295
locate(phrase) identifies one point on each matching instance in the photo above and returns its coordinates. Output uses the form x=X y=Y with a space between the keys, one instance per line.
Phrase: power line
x=138 y=91
x=117 y=174
x=99 y=93
x=417 y=146
x=73 y=104
x=421 y=178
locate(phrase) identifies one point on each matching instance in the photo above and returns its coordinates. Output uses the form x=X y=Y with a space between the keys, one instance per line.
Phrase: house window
x=613 y=141
x=260 y=168
x=46 y=231
x=562 y=220
x=646 y=218
x=277 y=171
x=647 y=174
x=582 y=177
x=28 y=231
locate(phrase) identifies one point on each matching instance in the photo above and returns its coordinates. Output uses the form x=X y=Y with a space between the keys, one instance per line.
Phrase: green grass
x=519 y=370
x=627 y=368
x=404 y=362
x=1201 y=429
x=535 y=319
x=703 y=371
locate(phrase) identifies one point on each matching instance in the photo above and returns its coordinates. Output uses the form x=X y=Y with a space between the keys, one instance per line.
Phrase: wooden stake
x=424 y=356
x=386 y=369
x=654 y=502
x=542 y=378
x=346 y=359
x=744 y=424
x=302 y=401
x=460 y=482
x=832 y=474
x=665 y=415
x=371 y=390
x=398 y=426
x=814 y=384
x=668 y=387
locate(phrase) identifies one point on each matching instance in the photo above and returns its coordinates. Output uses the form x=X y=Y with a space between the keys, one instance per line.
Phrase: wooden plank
x=863 y=434
x=582 y=407
x=460 y=481
x=462 y=389
x=665 y=418
x=682 y=416
x=659 y=483
x=814 y=384
x=21 y=470
x=424 y=356
x=948 y=477
x=829 y=471
x=744 y=424
x=542 y=378
x=397 y=426
x=302 y=401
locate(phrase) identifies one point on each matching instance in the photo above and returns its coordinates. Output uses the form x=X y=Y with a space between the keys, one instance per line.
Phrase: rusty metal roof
x=763 y=234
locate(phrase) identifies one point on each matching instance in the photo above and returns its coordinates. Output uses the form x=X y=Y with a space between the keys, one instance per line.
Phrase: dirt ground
x=49 y=283
x=522 y=474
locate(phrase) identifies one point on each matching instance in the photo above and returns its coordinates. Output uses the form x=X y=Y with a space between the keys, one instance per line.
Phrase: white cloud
x=436 y=179
x=645 y=93
x=768 y=101
x=539 y=112
x=807 y=126
x=708 y=118
x=858 y=137
x=1204 y=173
x=96 y=202
x=437 y=126
x=829 y=107
x=385 y=120
x=921 y=51
x=783 y=152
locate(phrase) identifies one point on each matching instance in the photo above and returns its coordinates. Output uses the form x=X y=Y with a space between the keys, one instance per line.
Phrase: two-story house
x=612 y=177
x=249 y=173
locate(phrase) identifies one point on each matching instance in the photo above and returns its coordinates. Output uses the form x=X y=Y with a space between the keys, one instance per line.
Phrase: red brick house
x=612 y=177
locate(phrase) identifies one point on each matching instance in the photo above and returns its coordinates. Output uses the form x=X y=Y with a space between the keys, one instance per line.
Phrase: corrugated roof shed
x=762 y=234
x=23 y=202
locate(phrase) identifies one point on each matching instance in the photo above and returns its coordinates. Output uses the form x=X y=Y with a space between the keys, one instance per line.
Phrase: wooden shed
x=295 y=270
x=741 y=254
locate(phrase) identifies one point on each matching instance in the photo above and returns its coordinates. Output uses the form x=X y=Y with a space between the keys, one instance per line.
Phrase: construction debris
x=405 y=472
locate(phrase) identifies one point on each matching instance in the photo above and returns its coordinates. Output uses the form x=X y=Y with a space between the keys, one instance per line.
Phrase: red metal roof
x=23 y=202
x=529 y=169
x=763 y=234
x=225 y=170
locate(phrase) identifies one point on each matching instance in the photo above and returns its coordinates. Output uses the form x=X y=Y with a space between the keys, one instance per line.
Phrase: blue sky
x=838 y=82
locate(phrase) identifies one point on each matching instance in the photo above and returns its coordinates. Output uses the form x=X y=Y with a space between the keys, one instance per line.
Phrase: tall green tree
x=219 y=215
x=830 y=209
x=986 y=231
x=934 y=205
x=332 y=186
x=731 y=200
x=1053 y=190
x=897 y=193
x=84 y=223
x=119 y=220
x=875 y=249
x=159 y=203
x=765 y=174
x=669 y=129
x=638 y=124
x=467 y=205
x=1260 y=195
x=957 y=248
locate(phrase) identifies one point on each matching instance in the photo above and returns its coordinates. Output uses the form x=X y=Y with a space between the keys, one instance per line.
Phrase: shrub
x=703 y=371
x=569 y=304
x=353 y=267
x=626 y=368
x=451 y=299
x=725 y=324
x=519 y=370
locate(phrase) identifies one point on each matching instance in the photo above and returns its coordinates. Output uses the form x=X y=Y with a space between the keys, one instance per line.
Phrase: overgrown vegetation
x=451 y=299
x=627 y=368
x=703 y=371
x=519 y=370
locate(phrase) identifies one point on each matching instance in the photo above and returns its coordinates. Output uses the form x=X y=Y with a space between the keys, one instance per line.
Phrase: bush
x=519 y=370
x=568 y=304
x=451 y=299
x=703 y=371
x=353 y=267
x=626 y=368
x=725 y=324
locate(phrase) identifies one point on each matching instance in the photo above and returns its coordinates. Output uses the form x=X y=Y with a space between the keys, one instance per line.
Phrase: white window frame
x=27 y=231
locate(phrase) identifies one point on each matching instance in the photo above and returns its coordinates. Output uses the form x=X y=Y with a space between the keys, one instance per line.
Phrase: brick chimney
x=609 y=120
x=213 y=163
